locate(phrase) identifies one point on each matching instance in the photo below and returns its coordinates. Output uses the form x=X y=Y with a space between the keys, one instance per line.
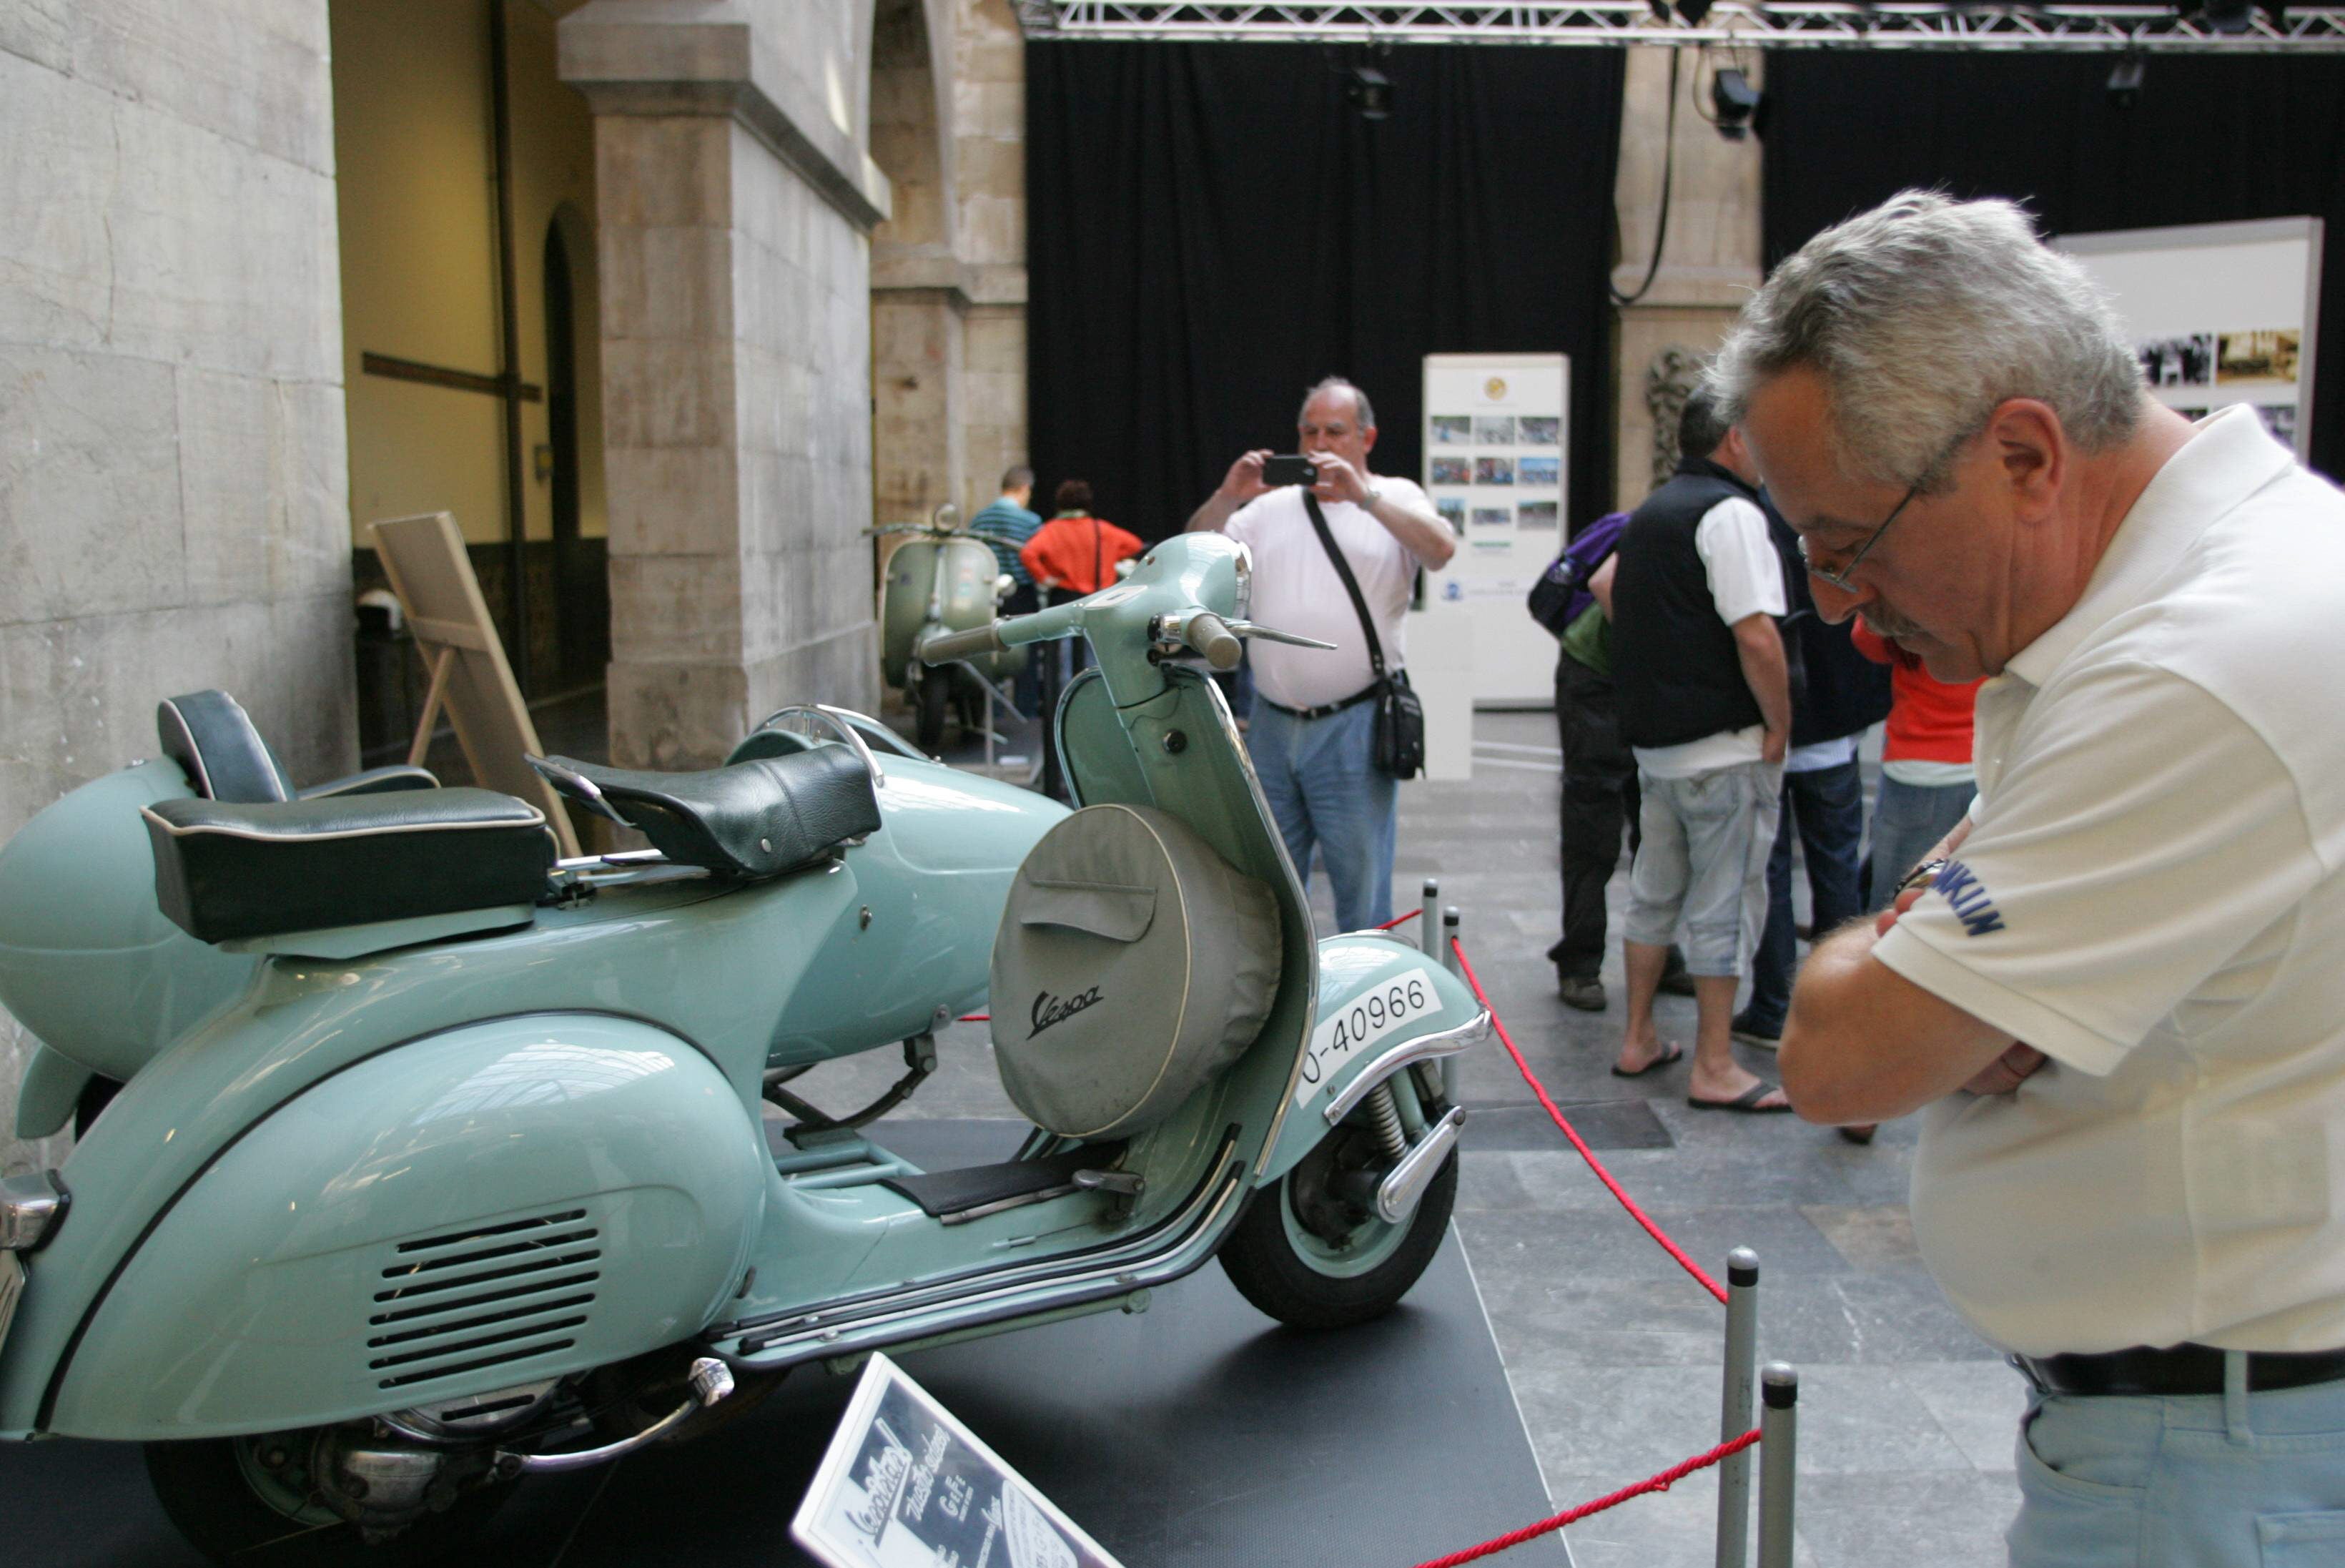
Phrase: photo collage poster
x=1497 y=478
x=2219 y=314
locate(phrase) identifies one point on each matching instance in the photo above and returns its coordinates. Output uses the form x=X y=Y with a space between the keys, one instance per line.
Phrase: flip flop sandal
x=1746 y=1102
x=1674 y=1053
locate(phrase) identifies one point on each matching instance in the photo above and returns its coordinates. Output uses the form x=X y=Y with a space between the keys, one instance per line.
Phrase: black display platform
x=1197 y=1435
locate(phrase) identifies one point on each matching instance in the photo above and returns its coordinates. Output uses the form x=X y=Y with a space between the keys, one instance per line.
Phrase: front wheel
x=929 y=706
x=1308 y=1253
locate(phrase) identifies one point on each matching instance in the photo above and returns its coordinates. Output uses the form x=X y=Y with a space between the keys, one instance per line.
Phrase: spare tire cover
x=1132 y=964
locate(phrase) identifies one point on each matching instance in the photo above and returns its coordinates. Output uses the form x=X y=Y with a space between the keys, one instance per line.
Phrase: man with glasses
x=1705 y=705
x=2117 y=991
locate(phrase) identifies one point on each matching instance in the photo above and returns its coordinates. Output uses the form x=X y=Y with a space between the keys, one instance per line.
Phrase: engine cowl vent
x=485 y=1295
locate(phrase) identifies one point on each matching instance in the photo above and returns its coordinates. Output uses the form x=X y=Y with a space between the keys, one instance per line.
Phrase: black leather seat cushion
x=225 y=869
x=754 y=819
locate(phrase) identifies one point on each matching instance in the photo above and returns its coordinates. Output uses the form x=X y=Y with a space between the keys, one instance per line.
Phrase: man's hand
x=1338 y=480
x=2016 y=1065
x=1241 y=484
x=1774 y=745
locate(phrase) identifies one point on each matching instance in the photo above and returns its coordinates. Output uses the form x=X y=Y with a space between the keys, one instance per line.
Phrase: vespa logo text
x=1049 y=1009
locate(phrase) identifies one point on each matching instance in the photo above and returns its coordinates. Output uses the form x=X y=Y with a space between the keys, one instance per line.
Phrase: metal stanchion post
x=1735 y=1407
x=1779 y=1456
x=1449 y=962
x=1428 y=925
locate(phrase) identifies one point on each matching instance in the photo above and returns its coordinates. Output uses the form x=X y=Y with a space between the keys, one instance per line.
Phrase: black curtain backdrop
x=2212 y=140
x=1211 y=229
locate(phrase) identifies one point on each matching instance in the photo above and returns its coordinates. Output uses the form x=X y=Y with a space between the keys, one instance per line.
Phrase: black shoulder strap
x=1351 y=586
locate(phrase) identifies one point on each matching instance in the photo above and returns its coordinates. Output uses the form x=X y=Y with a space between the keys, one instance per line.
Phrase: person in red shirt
x=1074 y=551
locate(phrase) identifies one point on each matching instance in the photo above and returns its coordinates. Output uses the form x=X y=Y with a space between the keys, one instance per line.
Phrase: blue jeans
x=1828 y=805
x=1324 y=791
x=2249 y=1480
x=1908 y=820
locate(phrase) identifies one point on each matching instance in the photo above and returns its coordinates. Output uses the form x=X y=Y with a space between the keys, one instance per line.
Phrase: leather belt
x=2180 y=1370
x=1325 y=709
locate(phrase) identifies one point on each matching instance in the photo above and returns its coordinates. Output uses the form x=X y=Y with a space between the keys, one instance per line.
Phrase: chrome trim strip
x=1397 y=1194
x=837 y=718
x=1407 y=1054
x=29 y=1207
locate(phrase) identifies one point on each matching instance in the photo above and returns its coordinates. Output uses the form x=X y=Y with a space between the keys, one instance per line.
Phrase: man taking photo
x=2119 y=987
x=1314 y=714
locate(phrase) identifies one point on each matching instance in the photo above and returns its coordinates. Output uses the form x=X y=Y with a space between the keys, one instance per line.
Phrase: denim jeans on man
x=2211 y=1480
x=1325 y=791
x=1828 y=805
x=1908 y=820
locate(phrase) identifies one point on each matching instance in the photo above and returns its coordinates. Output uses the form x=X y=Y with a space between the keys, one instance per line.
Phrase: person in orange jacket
x=1074 y=551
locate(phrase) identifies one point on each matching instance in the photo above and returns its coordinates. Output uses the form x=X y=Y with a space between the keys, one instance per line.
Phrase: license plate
x=12 y=1290
x=1361 y=1022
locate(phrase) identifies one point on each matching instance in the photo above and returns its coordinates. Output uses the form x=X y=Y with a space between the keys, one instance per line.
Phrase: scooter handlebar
x=950 y=647
x=1211 y=636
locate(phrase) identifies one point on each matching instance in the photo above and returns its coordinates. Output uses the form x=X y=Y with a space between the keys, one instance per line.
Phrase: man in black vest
x=1705 y=705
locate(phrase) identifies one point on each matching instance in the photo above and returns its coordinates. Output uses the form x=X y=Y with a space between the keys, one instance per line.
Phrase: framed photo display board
x=1495 y=465
x=2219 y=313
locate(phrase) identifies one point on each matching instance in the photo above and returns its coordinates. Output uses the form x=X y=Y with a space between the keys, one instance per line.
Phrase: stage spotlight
x=1370 y=91
x=2125 y=81
x=2229 y=15
x=1693 y=11
x=1734 y=100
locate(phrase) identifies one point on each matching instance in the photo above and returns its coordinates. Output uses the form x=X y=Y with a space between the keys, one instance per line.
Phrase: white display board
x=2219 y=313
x=1496 y=464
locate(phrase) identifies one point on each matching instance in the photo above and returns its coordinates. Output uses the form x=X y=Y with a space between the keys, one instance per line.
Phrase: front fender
x=1357 y=1022
x=484 y=1207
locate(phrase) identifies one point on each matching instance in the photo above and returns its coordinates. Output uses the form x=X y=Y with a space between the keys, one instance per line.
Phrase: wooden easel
x=424 y=559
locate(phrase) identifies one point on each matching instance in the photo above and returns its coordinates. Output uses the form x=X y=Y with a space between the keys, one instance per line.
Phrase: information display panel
x=1497 y=467
x=2219 y=313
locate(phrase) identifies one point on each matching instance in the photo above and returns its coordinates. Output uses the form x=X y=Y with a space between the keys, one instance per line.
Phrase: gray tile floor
x=1906 y=1417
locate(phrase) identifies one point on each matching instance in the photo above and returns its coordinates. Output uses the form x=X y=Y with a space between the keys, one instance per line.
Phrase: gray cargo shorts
x=1703 y=864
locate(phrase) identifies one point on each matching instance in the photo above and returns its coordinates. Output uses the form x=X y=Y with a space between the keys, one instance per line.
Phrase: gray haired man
x=2118 y=988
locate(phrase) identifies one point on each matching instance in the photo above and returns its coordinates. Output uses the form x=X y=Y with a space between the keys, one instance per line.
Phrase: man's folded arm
x=1864 y=1044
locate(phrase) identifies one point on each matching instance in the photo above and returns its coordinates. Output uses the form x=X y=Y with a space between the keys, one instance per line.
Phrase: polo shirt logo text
x=1972 y=906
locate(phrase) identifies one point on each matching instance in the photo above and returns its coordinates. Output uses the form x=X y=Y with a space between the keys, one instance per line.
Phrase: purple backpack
x=1560 y=595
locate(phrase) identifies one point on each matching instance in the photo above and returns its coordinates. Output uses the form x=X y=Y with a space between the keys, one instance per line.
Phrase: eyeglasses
x=1838 y=577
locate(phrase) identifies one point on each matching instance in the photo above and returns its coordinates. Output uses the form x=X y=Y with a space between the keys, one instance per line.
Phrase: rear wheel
x=928 y=705
x=253 y=1502
x=1313 y=1253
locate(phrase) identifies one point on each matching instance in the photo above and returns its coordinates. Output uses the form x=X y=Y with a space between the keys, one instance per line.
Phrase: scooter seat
x=228 y=870
x=752 y=819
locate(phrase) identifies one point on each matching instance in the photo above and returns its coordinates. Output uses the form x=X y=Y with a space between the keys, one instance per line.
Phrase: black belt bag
x=2181 y=1370
x=1397 y=748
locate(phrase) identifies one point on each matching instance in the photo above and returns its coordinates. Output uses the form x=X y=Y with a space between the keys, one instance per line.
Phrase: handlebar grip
x=948 y=647
x=1209 y=635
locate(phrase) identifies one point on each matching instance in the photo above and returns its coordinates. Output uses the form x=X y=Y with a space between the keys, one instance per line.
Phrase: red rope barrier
x=1639 y=1215
x=1398 y=920
x=1661 y=1483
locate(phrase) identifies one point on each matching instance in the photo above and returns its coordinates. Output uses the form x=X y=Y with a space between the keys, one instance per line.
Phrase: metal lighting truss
x=1801 y=24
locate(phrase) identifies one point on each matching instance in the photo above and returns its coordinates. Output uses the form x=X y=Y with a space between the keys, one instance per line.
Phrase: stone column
x=736 y=199
x=1711 y=260
x=990 y=144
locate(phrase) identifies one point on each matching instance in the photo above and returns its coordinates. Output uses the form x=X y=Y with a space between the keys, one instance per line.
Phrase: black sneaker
x=1751 y=1032
x=1584 y=992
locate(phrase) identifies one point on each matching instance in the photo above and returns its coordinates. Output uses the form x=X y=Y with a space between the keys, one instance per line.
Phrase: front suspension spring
x=1385 y=1115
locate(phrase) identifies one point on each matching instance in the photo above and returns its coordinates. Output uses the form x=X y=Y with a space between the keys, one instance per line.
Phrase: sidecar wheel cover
x=1132 y=964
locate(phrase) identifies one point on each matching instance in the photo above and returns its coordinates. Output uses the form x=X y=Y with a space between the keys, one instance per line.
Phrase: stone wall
x=173 y=509
x=989 y=90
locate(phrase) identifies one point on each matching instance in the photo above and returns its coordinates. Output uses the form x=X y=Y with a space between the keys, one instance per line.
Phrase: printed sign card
x=905 y=1485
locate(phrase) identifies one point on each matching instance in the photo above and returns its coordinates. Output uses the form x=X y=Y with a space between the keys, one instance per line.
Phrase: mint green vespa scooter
x=431 y=1163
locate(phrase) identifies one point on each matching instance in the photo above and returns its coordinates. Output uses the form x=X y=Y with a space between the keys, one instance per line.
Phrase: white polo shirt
x=2152 y=896
x=1296 y=589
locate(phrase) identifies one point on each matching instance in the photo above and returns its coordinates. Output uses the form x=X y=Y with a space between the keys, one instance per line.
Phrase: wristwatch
x=1374 y=495
x=1921 y=876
